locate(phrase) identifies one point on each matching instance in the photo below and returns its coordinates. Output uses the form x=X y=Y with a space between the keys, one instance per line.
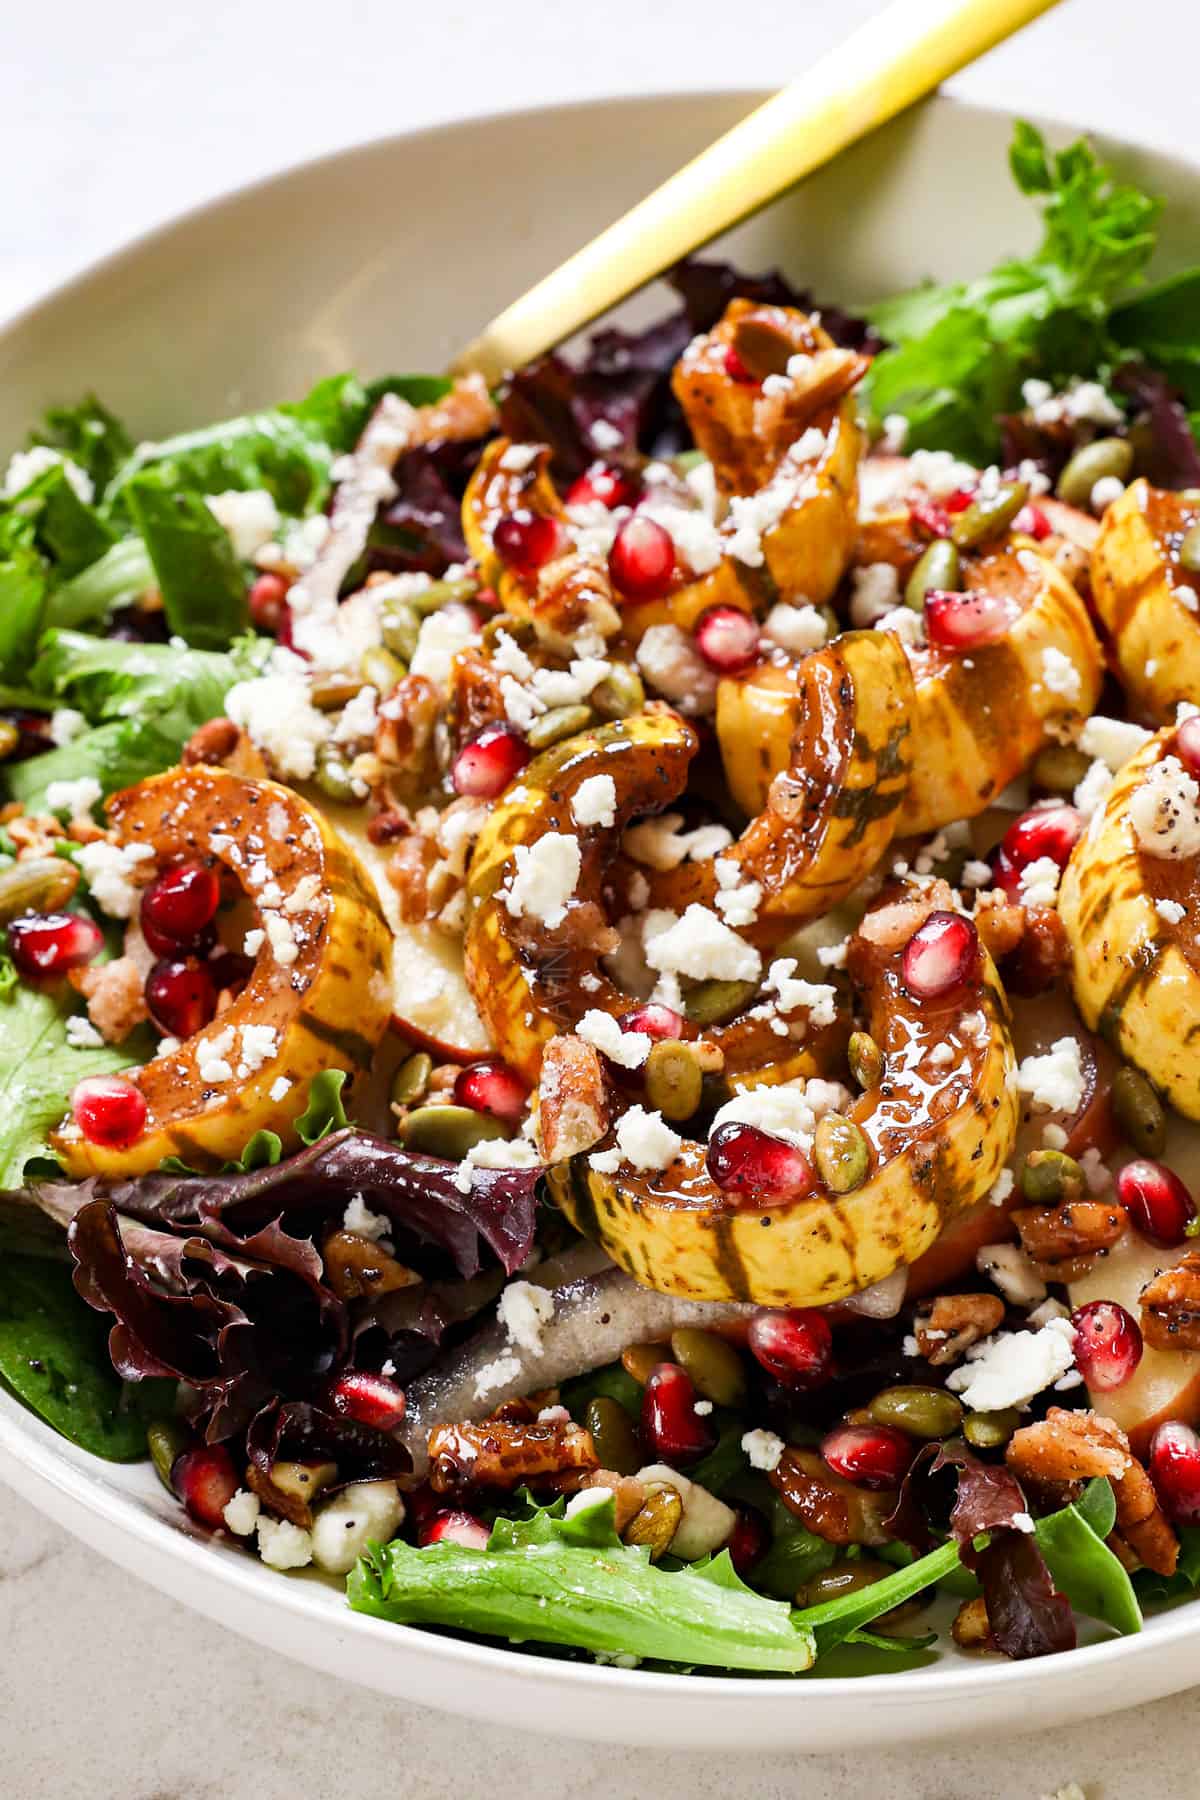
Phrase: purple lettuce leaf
x=1174 y=459
x=298 y=1431
x=421 y=528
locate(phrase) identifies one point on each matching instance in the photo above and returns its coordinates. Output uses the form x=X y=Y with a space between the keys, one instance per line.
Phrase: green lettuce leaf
x=90 y=436
x=115 y=580
x=278 y=451
x=1081 y=1564
x=558 y=1580
x=67 y=529
x=203 y=586
x=1163 y=326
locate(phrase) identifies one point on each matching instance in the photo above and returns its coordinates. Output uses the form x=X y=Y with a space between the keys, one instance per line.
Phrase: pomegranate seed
x=940 y=955
x=285 y=633
x=930 y=517
x=1108 y=1344
x=461 y=1528
x=266 y=600
x=182 y=997
x=527 y=541
x=109 y=1110
x=671 y=1426
x=967 y=621
x=484 y=767
x=48 y=944
x=206 y=1481
x=492 y=1087
x=960 y=499
x=642 y=559
x=795 y=1346
x=736 y=369
x=1033 y=522
x=1051 y=831
x=1175 y=1470
x=727 y=639
x=230 y=971
x=369 y=1398
x=748 y=1540
x=744 y=1160
x=1187 y=744
x=1157 y=1201
x=178 y=907
x=1006 y=875
x=657 y=1021
x=871 y=1456
x=611 y=487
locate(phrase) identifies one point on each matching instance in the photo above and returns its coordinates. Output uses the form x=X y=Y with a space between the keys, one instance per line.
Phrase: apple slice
x=431 y=1002
x=1166 y=1383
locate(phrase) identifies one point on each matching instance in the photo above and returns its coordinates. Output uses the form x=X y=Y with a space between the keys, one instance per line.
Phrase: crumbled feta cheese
x=605 y=435
x=940 y=473
x=25 y=467
x=212 y=1057
x=643 y=1139
x=1054 y=1082
x=1038 y=882
x=66 y=725
x=359 y=1219
x=763 y=1449
x=662 y=843
x=1013 y=1273
x=525 y=1310
x=628 y=1049
x=443 y=634
x=519 y=457
x=796 y=629
x=74 y=798
x=283 y=1545
x=281 y=938
x=497 y=1374
x=1060 y=674
x=1171 y=911
x=1002 y=1187
x=595 y=802
x=1164 y=813
x=977 y=874
x=544 y=878
x=108 y=870
x=697 y=541
x=906 y=624
x=736 y=900
x=279 y=1087
x=1091 y=793
x=894 y=434
x=241 y=1513
x=701 y=946
x=276 y=713
x=82 y=1034
x=1009 y=1368
x=1113 y=741
x=495 y=1153
x=259 y=1043
x=790 y=1110
x=250 y=518
x=359 y=718
x=875 y=589
x=510 y=659
x=1105 y=491
x=792 y=992
x=674 y=668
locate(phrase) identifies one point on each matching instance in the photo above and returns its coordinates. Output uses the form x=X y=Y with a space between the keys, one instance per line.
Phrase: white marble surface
x=111 y=118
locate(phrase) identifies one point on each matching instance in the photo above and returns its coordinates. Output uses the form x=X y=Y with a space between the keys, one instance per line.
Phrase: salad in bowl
x=599 y=978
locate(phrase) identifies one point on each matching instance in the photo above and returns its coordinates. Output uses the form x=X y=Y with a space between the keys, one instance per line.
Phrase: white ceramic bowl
x=387 y=257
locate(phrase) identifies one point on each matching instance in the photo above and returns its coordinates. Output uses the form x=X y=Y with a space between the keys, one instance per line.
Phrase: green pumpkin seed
x=1189 y=550
x=1049 y=1177
x=716 y=1369
x=937 y=569
x=521 y=631
x=712 y=1002
x=41 y=884
x=1095 y=462
x=923 y=1412
x=1059 y=768
x=639 y=1361
x=447 y=1131
x=10 y=737
x=1139 y=1112
x=841 y=1154
x=613 y=1435
x=657 y=1522
x=620 y=693
x=401 y=627
x=674 y=1081
x=989 y=1430
x=986 y=518
x=559 y=723
x=166 y=1439
x=411 y=1079
x=332 y=776
x=382 y=670
x=842 y=1578
x=331 y=692
x=441 y=593
x=865 y=1059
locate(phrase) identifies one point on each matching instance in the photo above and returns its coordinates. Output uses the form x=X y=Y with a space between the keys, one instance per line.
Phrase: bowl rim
x=34 y=1446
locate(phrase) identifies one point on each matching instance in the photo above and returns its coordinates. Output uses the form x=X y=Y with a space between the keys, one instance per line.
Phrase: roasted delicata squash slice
x=536 y=927
x=830 y=809
x=936 y=1131
x=1148 y=598
x=1130 y=902
x=980 y=713
x=319 y=997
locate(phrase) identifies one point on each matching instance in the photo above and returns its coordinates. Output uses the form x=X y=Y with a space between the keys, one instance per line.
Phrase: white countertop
x=112 y=118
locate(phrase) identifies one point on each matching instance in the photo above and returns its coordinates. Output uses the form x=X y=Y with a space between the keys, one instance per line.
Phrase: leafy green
x=279 y=451
x=1081 y=1564
x=608 y=1383
x=53 y=1356
x=38 y=1069
x=559 y=1580
x=323 y=1114
x=23 y=584
x=961 y=352
x=1154 y=1588
x=116 y=579
x=833 y=1621
x=90 y=436
x=67 y=528
x=1163 y=326
x=202 y=583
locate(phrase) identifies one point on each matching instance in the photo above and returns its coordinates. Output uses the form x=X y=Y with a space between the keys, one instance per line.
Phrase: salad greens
x=198 y=573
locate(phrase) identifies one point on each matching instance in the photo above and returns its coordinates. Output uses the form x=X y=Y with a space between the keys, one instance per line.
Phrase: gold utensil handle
x=889 y=62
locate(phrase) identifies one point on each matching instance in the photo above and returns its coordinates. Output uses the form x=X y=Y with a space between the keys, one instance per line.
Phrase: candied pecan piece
x=356 y=1266
x=408 y=871
x=1171 y=1305
x=1077 y=1446
x=1000 y=924
x=573 y=1105
x=500 y=1454
x=1041 y=956
x=828 y=1506
x=971 y=1630
x=1142 y=1523
x=465 y=412
x=214 y=742
x=388 y=825
x=1065 y=1240
x=115 y=995
x=407 y=718
x=574 y=594
x=946 y=1327
x=476 y=694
